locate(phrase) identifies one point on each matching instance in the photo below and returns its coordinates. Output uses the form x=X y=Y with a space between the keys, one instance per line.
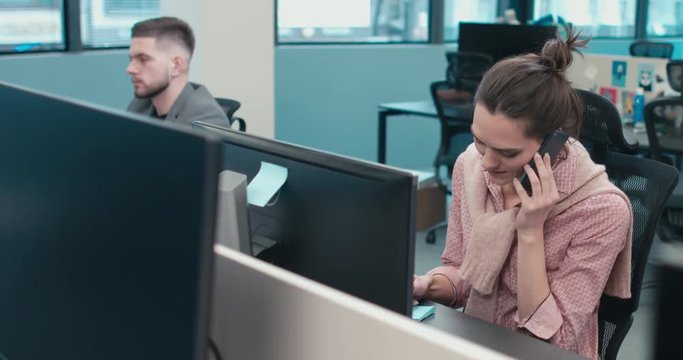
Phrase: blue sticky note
x=421 y=312
x=266 y=183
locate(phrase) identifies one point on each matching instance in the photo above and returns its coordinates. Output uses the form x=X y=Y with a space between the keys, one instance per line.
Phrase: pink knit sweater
x=587 y=243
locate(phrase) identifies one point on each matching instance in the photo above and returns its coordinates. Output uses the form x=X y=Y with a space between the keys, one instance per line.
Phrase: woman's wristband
x=455 y=291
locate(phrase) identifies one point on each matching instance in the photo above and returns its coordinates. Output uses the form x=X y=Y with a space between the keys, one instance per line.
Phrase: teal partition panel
x=95 y=76
x=326 y=97
x=620 y=46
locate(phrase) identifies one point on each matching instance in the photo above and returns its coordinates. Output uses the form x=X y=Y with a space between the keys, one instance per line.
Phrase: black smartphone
x=552 y=145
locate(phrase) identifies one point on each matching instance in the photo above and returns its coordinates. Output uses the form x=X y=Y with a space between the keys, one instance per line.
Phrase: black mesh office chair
x=230 y=106
x=651 y=49
x=453 y=102
x=601 y=126
x=664 y=120
x=647 y=184
x=664 y=125
x=465 y=70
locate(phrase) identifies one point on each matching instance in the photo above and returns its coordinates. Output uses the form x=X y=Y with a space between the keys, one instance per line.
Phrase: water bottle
x=638 y=108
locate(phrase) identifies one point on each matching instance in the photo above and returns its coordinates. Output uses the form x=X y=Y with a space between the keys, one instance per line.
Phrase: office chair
x=230 y=106
x=647 y=184
x=453 y=102
x=664 y=120
x=655 y=49
x=601 y=128
x=464 y=72
x=664 y=125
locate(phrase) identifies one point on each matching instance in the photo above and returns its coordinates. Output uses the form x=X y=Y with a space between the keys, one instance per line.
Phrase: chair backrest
x=465 y=69
x=674 y=73
x=230 y=106
x=655 y=49
x=647 y=184
x=455 y=117
x=664 y=124
x=601 y=128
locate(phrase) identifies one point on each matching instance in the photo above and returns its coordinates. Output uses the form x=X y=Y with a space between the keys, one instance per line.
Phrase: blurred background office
x=315 y=75
x=313 y=72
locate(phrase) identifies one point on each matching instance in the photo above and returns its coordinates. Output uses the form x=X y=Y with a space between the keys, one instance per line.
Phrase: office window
x=599 y=18
x=31 y=25
x=484 y=11
x=107 y=23
x=352 y=21
x=664 y=18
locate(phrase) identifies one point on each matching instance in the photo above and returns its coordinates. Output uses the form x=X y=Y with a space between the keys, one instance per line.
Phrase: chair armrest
x=242 y=125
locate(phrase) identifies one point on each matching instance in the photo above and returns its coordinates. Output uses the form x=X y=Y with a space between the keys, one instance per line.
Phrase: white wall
x=234 y=55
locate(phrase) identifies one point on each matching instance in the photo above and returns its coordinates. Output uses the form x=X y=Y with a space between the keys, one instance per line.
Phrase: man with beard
x=160 y=54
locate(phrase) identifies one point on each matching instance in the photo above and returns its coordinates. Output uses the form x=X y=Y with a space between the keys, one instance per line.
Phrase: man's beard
x=153 y=91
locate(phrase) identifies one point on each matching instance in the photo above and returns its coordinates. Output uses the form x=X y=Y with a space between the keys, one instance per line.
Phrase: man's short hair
x=167 y=28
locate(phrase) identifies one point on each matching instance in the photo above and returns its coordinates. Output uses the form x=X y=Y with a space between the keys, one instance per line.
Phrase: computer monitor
x=346 y=223
x=106 y=232
x=501 y=40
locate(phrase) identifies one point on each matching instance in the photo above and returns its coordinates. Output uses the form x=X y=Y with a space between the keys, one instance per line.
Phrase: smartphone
x=552 y=145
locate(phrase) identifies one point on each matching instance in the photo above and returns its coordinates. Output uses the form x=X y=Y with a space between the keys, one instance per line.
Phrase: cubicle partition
x=617 y=77
x=263 y=312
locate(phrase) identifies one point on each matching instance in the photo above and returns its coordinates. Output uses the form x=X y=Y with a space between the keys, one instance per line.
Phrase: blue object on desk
x=421 y=312
x=638 y=106
x=266 y=183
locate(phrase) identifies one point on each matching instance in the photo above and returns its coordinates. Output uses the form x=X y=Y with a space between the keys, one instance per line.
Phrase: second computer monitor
x=346 y=223
x=501 y=40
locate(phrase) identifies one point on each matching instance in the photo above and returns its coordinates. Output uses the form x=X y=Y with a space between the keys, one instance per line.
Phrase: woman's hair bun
x=557 y=53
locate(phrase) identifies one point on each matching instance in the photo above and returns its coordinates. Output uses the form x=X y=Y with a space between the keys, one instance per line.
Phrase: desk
x=426 y=109
x=503 y=340
x=419 y=108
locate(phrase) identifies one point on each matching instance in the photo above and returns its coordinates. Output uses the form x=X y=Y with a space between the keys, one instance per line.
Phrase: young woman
x=536 y=263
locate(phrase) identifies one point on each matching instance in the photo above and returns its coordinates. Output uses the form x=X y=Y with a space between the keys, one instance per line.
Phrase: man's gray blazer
x=194 y=103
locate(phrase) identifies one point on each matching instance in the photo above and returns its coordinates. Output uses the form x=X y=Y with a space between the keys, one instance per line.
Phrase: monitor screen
x=106 y=232
x=501 y=40
x=346 y=223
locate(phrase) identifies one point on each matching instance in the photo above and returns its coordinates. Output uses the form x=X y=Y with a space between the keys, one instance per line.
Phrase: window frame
x=73 y=42
x=63 y=48
x=431 y=7
x=636 y=22
x=71 y=33
x=500 y=7
x=645 y=12
x=77 y=26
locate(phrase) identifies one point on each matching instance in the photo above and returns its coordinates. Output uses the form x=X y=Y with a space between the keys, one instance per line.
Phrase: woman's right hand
x=421 y=284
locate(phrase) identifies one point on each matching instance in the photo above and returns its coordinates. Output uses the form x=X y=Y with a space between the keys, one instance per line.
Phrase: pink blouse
x=581 y=245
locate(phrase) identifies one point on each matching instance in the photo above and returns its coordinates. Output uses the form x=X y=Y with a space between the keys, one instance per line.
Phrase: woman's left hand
x=535 y=208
